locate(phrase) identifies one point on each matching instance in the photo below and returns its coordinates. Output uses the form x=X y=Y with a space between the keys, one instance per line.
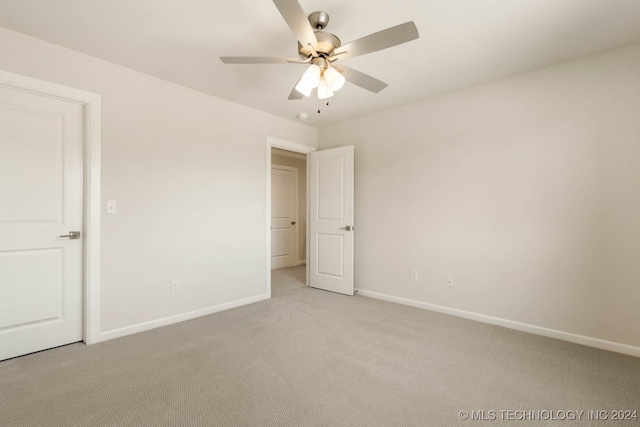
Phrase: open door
x=331 y=220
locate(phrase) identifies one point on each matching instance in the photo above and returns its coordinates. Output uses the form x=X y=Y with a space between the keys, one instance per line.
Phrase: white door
x=284 y=216
x=331 y=220
x=41 y=191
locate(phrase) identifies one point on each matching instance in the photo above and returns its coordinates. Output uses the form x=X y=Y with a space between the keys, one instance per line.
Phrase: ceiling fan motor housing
x=327 y=42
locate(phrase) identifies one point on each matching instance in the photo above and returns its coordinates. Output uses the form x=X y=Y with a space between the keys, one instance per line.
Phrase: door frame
x=297 y=148
x=296 y=177
x=91 y=103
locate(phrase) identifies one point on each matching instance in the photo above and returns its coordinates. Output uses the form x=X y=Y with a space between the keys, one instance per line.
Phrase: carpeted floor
x=313 y=358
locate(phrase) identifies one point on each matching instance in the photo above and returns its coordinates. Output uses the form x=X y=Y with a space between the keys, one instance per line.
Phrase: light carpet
x=312 y=358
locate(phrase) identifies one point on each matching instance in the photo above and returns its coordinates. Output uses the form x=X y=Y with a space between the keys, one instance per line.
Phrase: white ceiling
x=462 y=43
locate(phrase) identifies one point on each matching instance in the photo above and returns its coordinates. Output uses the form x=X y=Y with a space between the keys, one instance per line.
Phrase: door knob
x=73 y=235
x=293 y=223
x=347 y=228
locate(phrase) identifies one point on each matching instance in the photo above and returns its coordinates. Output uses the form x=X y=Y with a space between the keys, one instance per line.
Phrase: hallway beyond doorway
x=284 y=280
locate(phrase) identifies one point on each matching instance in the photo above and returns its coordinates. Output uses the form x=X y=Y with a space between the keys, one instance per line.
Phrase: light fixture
x=334 y=78
x=309 y=80
x=323 y=76
x=324 y=90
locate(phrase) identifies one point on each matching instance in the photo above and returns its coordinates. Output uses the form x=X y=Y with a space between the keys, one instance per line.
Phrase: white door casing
x=284 y=216
x=41 y=198
x=331 y=208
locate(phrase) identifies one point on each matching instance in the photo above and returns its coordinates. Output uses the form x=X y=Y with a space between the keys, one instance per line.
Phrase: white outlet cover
x=112 y=206
x=175 y=286
x=257 y=209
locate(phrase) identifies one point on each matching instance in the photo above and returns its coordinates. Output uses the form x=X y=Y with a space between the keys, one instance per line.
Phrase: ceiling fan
x=321 y=50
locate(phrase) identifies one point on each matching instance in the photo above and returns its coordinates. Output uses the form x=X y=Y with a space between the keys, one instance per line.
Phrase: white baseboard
x=140 y=327
x=524 y=327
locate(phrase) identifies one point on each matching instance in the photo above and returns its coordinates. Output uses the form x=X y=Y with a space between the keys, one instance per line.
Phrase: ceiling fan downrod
x=319 y=20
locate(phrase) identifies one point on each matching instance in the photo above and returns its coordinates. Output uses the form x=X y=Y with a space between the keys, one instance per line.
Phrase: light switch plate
x=112 y=206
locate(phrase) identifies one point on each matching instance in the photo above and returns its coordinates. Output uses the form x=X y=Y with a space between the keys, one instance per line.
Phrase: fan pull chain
x=319 y=105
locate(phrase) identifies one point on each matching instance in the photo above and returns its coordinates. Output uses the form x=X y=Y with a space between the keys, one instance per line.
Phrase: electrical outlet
x=414 y=276
x=175 y=286
x=112 y=206
x=449 y=281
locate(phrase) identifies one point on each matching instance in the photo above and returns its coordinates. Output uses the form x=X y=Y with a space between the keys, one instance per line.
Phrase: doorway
x=288 y=208
x=290 y=155
x=329 y=245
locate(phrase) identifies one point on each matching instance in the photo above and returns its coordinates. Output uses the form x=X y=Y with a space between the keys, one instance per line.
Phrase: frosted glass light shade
x=324 y=91
x=305 y=90
x=334 y=78
x=309 y=80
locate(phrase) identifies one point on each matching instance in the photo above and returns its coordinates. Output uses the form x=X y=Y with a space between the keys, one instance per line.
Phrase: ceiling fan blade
x=363 y=80
x=381 y=40
x=294 y=93
x=255 y=60
x=297 y=20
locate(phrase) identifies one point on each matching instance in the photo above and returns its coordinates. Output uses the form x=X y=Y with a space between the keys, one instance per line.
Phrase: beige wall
x=186 y=169
x=302 y=198
x=526 y=190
